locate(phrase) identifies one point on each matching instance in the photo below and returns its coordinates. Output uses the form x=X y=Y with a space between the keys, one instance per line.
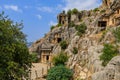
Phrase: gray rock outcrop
x=110 y=72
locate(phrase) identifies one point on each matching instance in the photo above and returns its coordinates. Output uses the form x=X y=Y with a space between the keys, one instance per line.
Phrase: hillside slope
x=86 y=63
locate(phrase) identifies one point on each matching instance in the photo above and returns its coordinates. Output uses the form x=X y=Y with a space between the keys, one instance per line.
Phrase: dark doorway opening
x=47 y=57
x=102 y=23
x=59 y=40
x=63 y=22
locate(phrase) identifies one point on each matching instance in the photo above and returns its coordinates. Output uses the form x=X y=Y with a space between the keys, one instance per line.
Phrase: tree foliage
x=14 y=56
x=74 y=11
x=34 y=57
x=59 y=73
x=60 y=59
x=109 y=51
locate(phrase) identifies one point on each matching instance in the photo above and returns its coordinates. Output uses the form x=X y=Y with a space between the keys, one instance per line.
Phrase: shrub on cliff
x=63 y=44
x=81 y=28
x=71 y=24
x=74 y=11
x=52 y=27
x=60 y=59
x=75 y=50
x=117 y=34
x=96 y=9
x=109 y=51
x=59 y=25
x=59 y=73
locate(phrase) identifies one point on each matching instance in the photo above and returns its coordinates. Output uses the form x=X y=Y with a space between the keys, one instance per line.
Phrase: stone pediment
x=46 y=45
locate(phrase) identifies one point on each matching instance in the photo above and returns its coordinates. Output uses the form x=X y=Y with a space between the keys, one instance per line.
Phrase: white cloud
x=39 y=17
x=81 y=4
x=45 y=9
x=12 y=7
x=52 y=23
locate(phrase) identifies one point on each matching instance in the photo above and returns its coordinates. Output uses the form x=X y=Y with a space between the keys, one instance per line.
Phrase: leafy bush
x=59 y=73
x=52 y=27
x=75 y=50
x=102 y=11
x=60 y=59
x=71 y=24
x=59 y=25
x=63 y=44
x=69 y=12
x=109 y=51
x=34 y=57
x=103 y=35
x=81 y=28
x=96 y=9
x=117 y=34
x=75 y=11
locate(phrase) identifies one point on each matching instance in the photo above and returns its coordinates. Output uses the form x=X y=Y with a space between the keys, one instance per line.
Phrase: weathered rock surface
x=110 y=72
x=86 y=63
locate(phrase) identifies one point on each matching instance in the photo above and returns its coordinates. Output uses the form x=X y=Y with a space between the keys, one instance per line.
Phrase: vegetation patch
x=103 y=35
x=75 y=50
x=71 y=24
x=109 y=51
x=59 y=25
x=34 y=57
x=117 y=34
x=52 y=27
x=15 y=60
x=81 y=29
x=96 y=9
x=102 y=11
x=75 y=11
x=60 y=59
x=59 y=73
x=63 y=44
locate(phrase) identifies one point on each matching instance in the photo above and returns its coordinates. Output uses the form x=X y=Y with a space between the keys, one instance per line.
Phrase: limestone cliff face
x=86 y=63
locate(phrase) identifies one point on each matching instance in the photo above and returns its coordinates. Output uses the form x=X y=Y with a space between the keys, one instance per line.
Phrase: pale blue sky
x=39 y=15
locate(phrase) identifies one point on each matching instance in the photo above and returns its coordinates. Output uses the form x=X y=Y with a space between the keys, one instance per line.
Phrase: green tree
x=60 y=59
x=14 y=55
x=109 y=51
x=34 y=57
x=69 y=12
x=59 y=73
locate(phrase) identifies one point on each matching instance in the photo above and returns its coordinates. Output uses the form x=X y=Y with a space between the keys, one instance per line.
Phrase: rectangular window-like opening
x=47 y=57
x=63 y=22
x=59 y=40
x=102 y=23
x=117 y=11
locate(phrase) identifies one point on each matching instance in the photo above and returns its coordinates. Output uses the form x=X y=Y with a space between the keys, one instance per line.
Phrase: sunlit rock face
x=86 y=64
